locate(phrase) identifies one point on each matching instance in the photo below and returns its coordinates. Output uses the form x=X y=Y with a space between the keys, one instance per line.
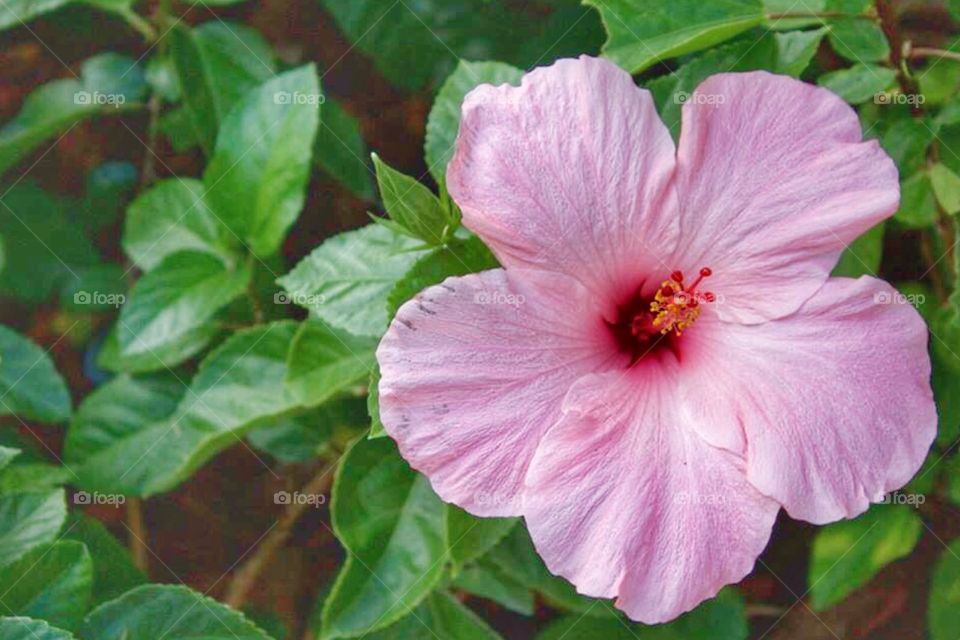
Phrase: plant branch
x=819 y=15
x=245 y=578
x=140 y=24
x=760 y=610
x=931 y=52
x=138 y=535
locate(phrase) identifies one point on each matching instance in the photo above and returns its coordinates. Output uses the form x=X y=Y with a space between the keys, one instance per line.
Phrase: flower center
x=644 y=324
x=677 y=305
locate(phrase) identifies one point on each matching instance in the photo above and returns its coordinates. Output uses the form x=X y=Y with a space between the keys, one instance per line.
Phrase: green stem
x=139 y=23
x=931 y=52
x=820 y=15
x=255 y=306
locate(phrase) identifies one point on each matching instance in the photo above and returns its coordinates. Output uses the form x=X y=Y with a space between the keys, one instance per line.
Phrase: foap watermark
x=705 y=499
x=97 y=498
x=910 y=499
x=298 y=97
x=302 y=299
x=99 y=299
x=895 y=97
x=895 y=297
x=310 y=499
x=710 y=99
x=99 y=99
x=499 y=297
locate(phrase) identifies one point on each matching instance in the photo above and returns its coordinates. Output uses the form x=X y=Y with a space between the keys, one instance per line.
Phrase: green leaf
x=776 y=8
x=946 y=187
x=239 y=386
x=44 y=248
x=945 y=594
x=862 y=256
x=324 y=361
x=413 y=43
x=161 y=75
x=393 y=526
x=30 y=386
x=857 y=39
x=174 y=215
x=7 y=454
x=722 y=617
x=788 y=53
x=258 y=174
x=113 y=570
x=918 y=206
x=181 y=295
x=443 y=122
x=345 y=281
x=116 y=410
x=167 y=611
x=471 y=537
x=516 y=557
x=795 y=50
x=847 y=554
x=458 y=258
x=944 y=338
x=108 y=187
x=52 y=583
x=217 y=63
x=860 y=83
x=413 y=206
x=488 y=581
x=107 y=82
x=441 y=617
x=906 y=140
x=177 y=126
x=112 y=358
x=373 y=404
x=28 y=520
x=32 y=477
x=641 y=33
x=951 y=477
x=15 y=13
x=27 y=629
x=341 y=151
x=938 y=82
x=293 y=438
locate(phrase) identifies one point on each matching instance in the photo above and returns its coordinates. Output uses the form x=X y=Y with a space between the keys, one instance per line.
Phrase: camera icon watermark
x=499 y=297
x=895 y=97
x=895 y=297
x=98 y=99
x=699 y=499
x=85 y=498
x=711 y=99
x=97 y=298
x=301 y=299
x=297 y=97
x=310 y=499
x=914 y=500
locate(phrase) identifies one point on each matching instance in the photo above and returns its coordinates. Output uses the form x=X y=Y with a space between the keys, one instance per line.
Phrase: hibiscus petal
x=833 y=402
x=774 y=182
x=569 y=172
x=625 y=500
x=474 y=370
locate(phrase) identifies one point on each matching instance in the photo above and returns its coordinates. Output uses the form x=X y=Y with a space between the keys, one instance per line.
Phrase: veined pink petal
x=570 y=172
x=774 y=182
x=474 y=370
x=833 y=402
x=625 y=500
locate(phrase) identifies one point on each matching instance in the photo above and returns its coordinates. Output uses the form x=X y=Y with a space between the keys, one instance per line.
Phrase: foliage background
x=165 y=236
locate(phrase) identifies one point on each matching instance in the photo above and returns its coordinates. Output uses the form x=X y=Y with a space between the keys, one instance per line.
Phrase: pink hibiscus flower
x=664 y=361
